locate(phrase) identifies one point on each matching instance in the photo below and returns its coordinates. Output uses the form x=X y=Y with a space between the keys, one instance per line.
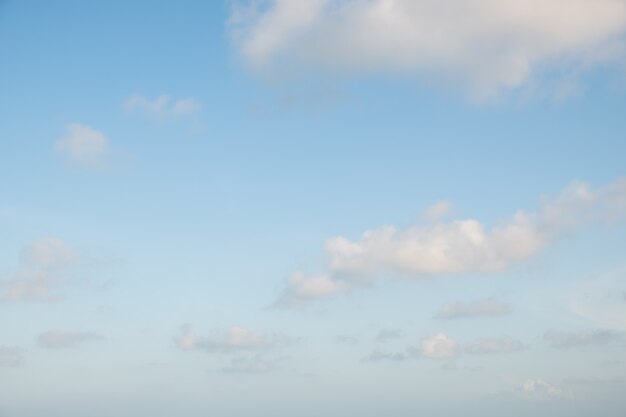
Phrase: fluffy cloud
x=44 y=265
x=57 y=339
x=480 y=308
x=161 y=107
x=83 y=145
x=11 y=356
x=493 y=346
x=438 y=346
x=234 y=339
x=566 y=340
x=459 y=246
x=486 y=45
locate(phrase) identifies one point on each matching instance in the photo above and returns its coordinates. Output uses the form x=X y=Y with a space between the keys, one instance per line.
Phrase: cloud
x=438 y=346
x=301 y=289
x=480 y=308
x=566 y=340
x=11 y=356
x=485 y=45
x=235 y=339
x=379 y=355
x=493 y=346
x=434 y=249
x=45 y=264
x=161 y=107
x=385 y=335
x=83 y=145
x=347 y=339
x=438 y=211
x=541 y=390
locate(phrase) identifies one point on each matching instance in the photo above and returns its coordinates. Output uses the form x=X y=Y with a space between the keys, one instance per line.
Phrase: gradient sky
x=313 y=207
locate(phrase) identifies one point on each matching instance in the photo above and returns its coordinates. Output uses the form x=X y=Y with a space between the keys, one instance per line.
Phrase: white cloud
x=493 y=346
x=567 y=340
x=439 y=210
x=486 y=45
x=480 y=308
x=438 y=346
x=236 y=338
x=459 y=246
x=45 y=264
x=58 y=339
x=542 y=390
x=83 y=145
x=161 y=107
x=11 y=356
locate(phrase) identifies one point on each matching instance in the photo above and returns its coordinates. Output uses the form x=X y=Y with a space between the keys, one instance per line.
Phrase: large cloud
x=486 y=45
x=460 y=246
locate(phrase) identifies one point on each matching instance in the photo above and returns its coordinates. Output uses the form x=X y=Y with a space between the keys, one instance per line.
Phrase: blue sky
x=312 y=207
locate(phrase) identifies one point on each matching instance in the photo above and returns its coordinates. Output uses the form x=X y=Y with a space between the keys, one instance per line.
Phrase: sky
x=312 y=207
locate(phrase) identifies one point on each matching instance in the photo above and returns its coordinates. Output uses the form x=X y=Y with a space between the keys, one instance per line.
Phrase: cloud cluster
x=11 y=356
x=485 y=45
x=567 y=340
x=83 y=145
x=438 y=346
x=455 y=247
x=480 y=308
x=45 y=264
x=58 y=339
x=161 y=107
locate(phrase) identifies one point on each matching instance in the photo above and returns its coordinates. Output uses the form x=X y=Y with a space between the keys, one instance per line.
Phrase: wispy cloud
x=379 y=355
x=161 y=107
x=59 y=339
x=567 y=340
x=84 y=146
x=486 y=46
x=45 y=264
x=385 y=335
x=456 y=247
x=490 y=346
x=255 y=365
x=236 y=338
x=538 y=389
x=11 y=356
x=480 y=308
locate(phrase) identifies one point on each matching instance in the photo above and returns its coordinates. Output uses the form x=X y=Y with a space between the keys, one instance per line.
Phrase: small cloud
x=58 y=339
x=481 y=308
x=538 y=389
x=379 y=355
x=234 y=339
x=255 y=365
x=301 y=289
x=83 y=145
x=385 y=335
x=567 y=340
x=11 y=356
x=494 y=346
x=161 y=107
x=45 y=264
x=438 y=346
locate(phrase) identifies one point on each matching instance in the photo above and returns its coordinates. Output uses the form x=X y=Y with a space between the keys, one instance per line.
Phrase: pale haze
x=313 y=208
